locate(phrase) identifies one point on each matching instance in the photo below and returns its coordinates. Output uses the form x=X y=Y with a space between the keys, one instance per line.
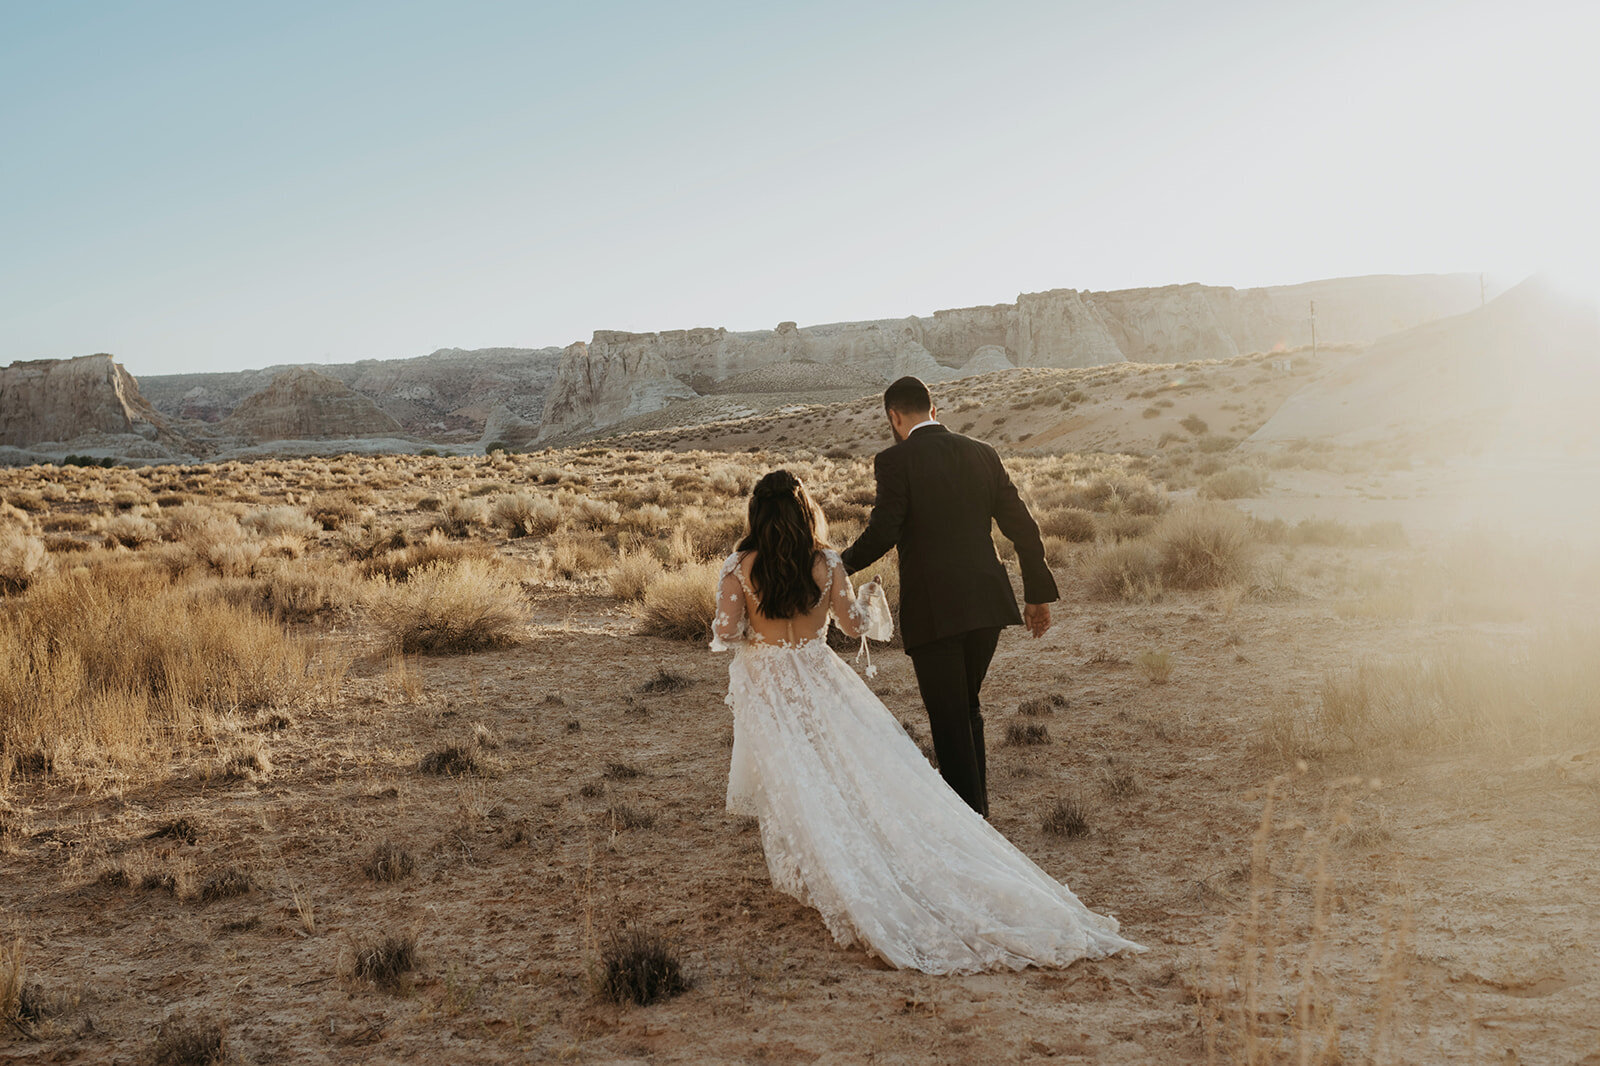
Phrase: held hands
x=1036 y=616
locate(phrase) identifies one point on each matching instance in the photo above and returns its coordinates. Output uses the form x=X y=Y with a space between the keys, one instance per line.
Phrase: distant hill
x=450 y=393
x=1523 y=371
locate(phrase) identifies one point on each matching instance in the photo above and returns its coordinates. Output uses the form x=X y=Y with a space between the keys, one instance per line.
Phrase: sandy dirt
x=1491 y=868
x=1441 y=902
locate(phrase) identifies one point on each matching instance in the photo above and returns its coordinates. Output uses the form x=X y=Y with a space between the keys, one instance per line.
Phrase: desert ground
x=386 y=758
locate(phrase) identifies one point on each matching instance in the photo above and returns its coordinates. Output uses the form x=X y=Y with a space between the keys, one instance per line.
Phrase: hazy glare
x=201 y=186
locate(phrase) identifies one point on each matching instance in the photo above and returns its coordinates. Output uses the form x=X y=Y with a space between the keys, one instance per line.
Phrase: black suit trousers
x=949 y=674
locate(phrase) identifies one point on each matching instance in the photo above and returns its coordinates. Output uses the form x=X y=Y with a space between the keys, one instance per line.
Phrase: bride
x=854 y=822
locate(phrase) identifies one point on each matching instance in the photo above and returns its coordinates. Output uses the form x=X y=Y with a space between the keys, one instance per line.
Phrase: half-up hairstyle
x=787 y=529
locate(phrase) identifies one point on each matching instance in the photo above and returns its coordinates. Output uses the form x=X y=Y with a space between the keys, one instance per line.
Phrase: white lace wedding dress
x=855 y=822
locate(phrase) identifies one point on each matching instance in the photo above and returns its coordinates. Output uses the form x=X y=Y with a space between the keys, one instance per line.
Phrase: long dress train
x=855 y=823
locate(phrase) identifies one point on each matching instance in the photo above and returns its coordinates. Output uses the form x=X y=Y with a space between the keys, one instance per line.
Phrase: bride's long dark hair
x=787 y=529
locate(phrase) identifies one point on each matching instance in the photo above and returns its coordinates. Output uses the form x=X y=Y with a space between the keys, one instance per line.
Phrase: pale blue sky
x=200 y=186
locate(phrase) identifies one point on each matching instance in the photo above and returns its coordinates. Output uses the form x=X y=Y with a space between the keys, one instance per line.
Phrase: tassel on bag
x=874 y=602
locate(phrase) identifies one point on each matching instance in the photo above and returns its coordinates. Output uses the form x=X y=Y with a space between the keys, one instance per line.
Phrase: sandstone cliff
x=622 y=375
x=452 y=391
x=305 y=405
x=60 y=400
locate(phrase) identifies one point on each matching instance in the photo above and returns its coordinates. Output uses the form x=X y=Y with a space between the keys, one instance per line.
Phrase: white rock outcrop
x=619 y=375
x=989 y=359
x=65 y=399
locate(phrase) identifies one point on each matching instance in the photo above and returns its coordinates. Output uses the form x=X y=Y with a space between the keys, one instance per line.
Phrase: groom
x=937 y=492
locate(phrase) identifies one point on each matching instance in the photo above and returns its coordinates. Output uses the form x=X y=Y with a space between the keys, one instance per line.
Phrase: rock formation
x=302 y=404
x=60 y=400
x=988 y=359
x=450 y=392
x=619 y=375
x=505 y=427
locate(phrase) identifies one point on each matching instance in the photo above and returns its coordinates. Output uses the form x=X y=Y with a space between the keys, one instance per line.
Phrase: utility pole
x=1313 y=329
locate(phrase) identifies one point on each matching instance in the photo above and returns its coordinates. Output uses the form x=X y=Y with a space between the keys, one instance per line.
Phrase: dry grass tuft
x=12 y=975
x=386 y=962
x=1155 y=665
x=452 y=761
x=461 y=518
x=1026 y=734
x=334 y=510
x=277 y=521
x=228 y=884
x=1233 y=483
x=680 y=605
x=129 y=531
x=446 y=609
x=623 y=816
x=1269 y=997
x=23 y=560
x=1068 y=817
x=389 y=862
x=666 y=681
x=1073 y=524
x=113 y=654
x=398 y=564
x=248 y=762
x=1118 y=780
x=522 y=515
x=183 y=1043
x=1124 y=570
x=633 y=575
x=182 y=830
x=639 y=967
x=1540 y=697
x=575 y=555
x=1204 y=546
x=1040 y=706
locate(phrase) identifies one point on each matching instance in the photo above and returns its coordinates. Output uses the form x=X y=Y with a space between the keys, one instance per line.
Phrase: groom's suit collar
x=930 y=426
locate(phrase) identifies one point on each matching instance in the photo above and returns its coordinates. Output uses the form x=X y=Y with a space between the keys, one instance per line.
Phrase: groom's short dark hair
x=909 y=396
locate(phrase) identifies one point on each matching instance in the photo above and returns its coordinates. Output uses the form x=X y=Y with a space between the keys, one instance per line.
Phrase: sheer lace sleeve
x=730 y=625
x=864 y=614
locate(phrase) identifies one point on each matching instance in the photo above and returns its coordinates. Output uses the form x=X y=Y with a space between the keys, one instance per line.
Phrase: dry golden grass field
x=421 y=758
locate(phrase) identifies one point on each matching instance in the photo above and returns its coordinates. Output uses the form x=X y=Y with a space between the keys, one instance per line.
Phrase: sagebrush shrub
x=522 y=515
x=1069 y=523
x=400 y=563
x=130 y=530
x=274 y=521
x=461 y=517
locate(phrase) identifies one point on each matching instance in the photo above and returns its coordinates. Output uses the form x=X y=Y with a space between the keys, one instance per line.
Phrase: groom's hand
x=1036 y=616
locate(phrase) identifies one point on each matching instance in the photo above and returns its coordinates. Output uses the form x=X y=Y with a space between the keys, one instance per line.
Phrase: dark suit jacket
x=937 y=494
